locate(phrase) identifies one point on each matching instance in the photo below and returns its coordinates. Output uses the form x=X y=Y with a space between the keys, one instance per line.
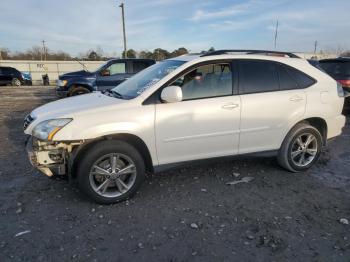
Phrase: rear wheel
x=16 y=82
x=301 y=148
x=79 y=91
x=110 y=172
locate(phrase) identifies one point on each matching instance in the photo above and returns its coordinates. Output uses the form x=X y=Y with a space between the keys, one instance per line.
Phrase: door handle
x=296 y=98
x=230 y=106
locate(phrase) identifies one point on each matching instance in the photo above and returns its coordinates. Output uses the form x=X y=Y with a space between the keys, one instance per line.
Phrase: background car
x=107 y=76
x=339 y=69
x=10 y=76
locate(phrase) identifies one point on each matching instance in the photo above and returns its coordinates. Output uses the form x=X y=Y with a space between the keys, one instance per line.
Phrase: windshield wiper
x=113 y=93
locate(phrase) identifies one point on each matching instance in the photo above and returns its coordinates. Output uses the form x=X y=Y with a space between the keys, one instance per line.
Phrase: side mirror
x=105 y=72
x=171 y=94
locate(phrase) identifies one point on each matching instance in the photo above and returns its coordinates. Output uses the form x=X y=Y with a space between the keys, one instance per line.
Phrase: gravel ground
x=186 y=214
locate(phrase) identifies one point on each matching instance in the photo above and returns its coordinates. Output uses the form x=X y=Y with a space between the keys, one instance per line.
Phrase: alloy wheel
x=304 y=149
x=112 y=175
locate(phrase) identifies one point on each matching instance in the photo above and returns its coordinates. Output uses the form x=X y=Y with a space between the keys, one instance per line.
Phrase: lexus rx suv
x=188 y=108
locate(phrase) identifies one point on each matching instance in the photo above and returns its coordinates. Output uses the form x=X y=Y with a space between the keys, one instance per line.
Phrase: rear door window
x=258 y=76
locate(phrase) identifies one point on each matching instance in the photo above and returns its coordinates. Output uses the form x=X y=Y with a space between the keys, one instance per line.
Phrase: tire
x=79 y=91
x=16 y=82
x=291 y=154
x=90 y=178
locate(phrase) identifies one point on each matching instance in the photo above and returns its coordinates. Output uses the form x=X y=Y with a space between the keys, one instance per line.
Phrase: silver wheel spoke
x=103 y=186
x=101 y=170
x=311 y=151
x=122 y=183
x=127 y=170
x=113 y=163
x=119 y=186
x=300 y=143
x=309 y=140
x=296 y=153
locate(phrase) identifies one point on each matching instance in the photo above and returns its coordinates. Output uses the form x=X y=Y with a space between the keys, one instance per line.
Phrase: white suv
x=183 y=109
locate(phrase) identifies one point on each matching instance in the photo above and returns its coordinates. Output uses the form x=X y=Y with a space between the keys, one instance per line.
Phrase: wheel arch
x=76 y=85
x=79 y=152
x=319 y=123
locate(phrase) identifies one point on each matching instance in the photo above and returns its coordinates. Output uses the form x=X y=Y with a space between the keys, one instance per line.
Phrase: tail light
x=344 y=83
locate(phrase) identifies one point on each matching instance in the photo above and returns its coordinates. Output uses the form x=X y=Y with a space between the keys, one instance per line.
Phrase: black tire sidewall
x=97 y=151
x=14 y=80
x=76 y=90
x=307 y=129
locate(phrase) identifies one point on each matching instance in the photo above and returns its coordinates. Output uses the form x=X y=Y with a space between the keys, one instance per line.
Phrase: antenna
x=276 y=34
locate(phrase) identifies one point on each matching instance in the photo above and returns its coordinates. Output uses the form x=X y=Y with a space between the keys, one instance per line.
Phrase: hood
x=77 y=73
x=76 y=105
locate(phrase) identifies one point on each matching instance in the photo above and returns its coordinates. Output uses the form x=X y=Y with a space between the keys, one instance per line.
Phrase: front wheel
x=110 y=172
x=79 y=91
x=301 y=148
x=16 y=82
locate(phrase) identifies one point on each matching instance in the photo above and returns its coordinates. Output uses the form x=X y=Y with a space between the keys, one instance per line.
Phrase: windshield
x=137 y=84
x=100 y=67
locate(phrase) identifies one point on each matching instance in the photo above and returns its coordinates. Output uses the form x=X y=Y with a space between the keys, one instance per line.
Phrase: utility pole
x=44 y=50
x=315 y=49
x=124 y=36
x=276 y=34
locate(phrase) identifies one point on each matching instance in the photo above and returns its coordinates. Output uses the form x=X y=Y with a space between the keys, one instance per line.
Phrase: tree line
x=97 y=54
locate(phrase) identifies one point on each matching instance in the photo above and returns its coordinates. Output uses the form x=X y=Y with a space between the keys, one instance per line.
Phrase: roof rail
x=250 y=52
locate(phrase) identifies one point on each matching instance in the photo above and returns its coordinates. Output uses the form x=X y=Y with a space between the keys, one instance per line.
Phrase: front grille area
x=27 y=120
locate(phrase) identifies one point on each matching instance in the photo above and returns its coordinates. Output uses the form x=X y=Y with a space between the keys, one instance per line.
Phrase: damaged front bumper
x=51 y=158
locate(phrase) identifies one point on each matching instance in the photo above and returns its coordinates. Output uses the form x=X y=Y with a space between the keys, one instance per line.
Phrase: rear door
x=271 y=100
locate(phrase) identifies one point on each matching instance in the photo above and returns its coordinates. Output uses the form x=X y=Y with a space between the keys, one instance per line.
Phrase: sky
x=75 y=26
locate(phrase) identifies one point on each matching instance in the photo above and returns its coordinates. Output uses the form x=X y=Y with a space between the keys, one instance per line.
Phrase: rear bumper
x=335 y=126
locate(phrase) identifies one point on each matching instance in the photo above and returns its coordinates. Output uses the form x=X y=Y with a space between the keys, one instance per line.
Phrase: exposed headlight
x=47 y=129
x=61 y=82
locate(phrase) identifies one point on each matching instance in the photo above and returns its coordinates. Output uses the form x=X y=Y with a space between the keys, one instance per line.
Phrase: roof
x=338 y=59
x=226 y=54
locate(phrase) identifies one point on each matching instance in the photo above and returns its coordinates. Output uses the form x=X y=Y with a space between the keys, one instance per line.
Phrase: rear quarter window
x=302 y=79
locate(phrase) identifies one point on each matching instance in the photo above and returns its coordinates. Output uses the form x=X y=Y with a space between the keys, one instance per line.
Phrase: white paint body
x=202 y=128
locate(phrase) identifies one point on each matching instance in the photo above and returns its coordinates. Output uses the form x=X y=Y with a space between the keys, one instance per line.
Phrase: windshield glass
x=100 y=67
x=137 y=84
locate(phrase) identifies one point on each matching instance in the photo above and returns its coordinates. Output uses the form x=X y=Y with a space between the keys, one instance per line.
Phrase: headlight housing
x=47 y=129
x=62 y=82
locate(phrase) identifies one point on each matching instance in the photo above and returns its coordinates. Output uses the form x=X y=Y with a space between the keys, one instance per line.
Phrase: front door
x=112 y=75
x=206 y=123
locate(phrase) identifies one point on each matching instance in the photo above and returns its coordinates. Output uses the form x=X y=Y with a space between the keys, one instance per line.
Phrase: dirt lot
x=187 y=214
